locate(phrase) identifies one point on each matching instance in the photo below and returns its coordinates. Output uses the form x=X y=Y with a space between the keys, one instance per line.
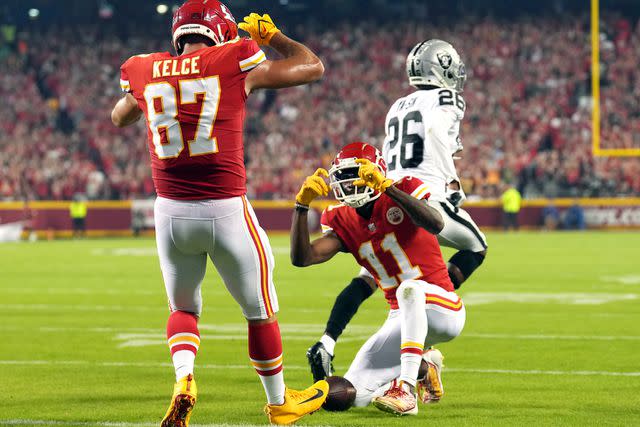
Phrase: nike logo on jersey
x=319 y=394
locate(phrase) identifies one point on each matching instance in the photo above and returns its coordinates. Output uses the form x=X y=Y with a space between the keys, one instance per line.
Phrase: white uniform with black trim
x=422 y=135
x=225 y=230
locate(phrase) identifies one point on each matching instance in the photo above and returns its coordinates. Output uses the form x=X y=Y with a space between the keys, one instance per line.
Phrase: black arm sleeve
x=346 y=305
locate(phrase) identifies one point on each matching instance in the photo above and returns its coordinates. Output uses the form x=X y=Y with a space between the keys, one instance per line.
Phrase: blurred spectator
x=528 y=117
x=550 y=216
x=511 y=202
x=574 y=218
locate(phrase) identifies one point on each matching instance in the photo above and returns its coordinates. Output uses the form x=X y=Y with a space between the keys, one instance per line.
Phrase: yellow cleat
x=297 y=404
x=430 y=388
x=184 y=397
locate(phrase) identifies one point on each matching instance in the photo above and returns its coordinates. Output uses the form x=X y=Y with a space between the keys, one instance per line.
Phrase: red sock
x=184 y=340
x=265 y=351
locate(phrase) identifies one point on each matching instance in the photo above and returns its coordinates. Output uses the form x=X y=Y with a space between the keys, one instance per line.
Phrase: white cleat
x=430 y=388
x=397 y=401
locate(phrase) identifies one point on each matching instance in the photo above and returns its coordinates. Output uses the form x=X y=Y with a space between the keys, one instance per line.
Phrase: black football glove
x=320 y=361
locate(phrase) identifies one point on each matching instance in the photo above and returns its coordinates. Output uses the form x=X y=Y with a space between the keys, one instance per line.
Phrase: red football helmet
x=209 y=18
x=344 y=171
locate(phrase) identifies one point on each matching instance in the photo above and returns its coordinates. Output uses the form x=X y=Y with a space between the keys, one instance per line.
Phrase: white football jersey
x=422 y=134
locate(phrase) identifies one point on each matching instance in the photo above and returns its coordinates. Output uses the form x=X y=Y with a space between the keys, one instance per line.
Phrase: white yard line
x=566 y=298
x=133 y=308
x=542 y=372
x=299 y=331
x=301 y=367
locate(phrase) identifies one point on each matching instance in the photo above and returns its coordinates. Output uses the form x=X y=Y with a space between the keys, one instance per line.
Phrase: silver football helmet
x=436 y=63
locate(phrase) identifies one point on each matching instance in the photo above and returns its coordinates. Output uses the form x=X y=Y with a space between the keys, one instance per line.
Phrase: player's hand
x=261 y=28
x=313 y=186
x=371 y=176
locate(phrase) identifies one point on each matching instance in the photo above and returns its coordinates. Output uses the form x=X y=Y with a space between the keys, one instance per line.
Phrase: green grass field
x=552 y=336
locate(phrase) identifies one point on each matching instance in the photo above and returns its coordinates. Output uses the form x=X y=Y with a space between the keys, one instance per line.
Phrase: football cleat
x=184 y=397
x=397 y=401
x=320 y=361
x=297 y=404
x=430 y=388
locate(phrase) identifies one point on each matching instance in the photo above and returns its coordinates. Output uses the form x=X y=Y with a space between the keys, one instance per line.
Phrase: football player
x=194 y=104
x=390 y=229
x=422 y=136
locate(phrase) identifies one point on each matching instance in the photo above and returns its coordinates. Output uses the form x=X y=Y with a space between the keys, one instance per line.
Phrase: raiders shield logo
x=444 y=59
x=395 y=215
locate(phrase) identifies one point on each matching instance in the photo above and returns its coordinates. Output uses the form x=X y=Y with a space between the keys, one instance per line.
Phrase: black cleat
x=320 y=361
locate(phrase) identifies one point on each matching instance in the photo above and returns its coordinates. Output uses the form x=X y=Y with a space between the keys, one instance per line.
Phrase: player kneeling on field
x=390 y=230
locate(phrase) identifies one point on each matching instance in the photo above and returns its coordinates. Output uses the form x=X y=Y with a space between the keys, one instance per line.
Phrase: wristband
x=301 y=208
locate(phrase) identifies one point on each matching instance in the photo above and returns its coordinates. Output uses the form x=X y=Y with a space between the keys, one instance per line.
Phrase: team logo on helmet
x=444 y=59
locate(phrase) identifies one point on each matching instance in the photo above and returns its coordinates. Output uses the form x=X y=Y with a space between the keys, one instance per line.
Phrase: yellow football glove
x=371 y=176
x=313 y=186
x=261 y=28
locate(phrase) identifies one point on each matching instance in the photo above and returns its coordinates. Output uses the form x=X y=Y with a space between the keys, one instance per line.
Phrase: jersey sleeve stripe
x=325 y=228
x=420 y=192
x=125 y=85
x=252 y=62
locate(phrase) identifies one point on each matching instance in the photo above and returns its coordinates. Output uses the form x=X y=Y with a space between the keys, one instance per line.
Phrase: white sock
x=409 y=367
x=413 y=329
x=274 y=388
x=329 y=343
x=183 y=361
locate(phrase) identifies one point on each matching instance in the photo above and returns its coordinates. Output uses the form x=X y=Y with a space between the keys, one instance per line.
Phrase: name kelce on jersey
x=170 y=67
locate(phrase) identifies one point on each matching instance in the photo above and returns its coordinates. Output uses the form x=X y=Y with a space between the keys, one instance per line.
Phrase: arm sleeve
x=250 y=55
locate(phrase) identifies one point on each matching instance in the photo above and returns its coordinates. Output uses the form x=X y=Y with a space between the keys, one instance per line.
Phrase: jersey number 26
x=406 y=139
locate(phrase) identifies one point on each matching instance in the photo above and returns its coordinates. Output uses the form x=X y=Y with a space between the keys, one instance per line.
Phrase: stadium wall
x=117 y=218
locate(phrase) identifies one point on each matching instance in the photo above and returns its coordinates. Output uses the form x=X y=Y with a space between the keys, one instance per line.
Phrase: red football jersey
x=389 y=245
x=194 y=105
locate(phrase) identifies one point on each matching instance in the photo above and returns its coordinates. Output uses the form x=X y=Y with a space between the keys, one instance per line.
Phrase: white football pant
x=225 y=230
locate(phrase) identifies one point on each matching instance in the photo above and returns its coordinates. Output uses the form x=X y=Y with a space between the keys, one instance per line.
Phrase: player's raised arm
x=299 y=65
x=421 y=214
x=303 y=252
x=126 y=111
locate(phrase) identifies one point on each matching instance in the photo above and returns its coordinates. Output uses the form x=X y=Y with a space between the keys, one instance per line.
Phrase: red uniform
x=389 y=245
x=194 y=105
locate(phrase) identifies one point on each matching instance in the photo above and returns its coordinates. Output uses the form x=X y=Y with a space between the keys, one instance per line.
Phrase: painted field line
x=293 y=331
x=301 y=367
x=115 y=307
x=27 y=422
x=554 y=337
x=80 y=291
x=542 y=372
x=563 y=298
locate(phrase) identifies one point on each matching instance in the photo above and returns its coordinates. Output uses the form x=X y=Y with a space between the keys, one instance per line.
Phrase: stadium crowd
x=528 y=118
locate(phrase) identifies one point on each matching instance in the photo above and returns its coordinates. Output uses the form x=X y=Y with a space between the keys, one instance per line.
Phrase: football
x=341 y=395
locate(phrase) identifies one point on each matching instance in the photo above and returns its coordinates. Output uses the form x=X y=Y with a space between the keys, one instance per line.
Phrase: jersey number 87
x=163 y=122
